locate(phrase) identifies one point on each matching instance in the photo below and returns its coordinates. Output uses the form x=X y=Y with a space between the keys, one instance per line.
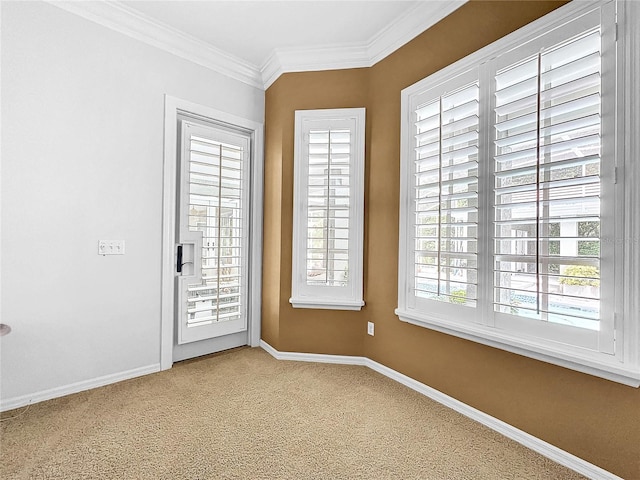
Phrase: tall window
x=546 y=160
x=446 y=197
x=328 y=209
x=511 y=213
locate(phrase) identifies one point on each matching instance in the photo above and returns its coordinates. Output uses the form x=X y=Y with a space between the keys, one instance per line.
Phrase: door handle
x=179 y=262
x=189 y=252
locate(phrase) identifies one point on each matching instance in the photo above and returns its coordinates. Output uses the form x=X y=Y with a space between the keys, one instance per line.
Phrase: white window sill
x=326 y=304
x=604 y=366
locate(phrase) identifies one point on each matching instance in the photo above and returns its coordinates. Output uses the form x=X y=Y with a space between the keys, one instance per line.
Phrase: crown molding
x=408 y=26
x=335 y=57
x=130 y=22
x=363 y=54
x=134 y=24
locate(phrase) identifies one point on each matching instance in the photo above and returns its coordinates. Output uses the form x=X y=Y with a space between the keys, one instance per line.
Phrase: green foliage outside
x=458 y=296
x=587 y=276
x=589 y=229
x=586 y=247
x=589 y=248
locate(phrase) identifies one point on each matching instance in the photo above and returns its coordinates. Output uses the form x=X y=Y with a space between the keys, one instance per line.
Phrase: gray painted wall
x=82 y=153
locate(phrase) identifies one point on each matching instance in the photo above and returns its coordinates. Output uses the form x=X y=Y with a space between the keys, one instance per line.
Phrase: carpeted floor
x=244 y=415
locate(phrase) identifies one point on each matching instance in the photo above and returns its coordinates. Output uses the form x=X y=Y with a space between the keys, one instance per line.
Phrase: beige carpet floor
x=244 y=415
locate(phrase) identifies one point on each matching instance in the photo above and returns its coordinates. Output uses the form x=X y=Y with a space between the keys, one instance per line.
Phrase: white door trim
x=172 y=107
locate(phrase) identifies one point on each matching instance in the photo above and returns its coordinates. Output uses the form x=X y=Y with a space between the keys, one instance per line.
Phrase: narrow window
x=446 y=197
x=547 y=185
x=328 y=209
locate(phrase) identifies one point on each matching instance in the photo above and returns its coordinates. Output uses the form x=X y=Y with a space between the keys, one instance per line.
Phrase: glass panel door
x=212 y=232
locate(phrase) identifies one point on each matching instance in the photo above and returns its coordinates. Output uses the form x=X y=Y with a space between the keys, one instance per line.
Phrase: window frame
x=479 y=324
x=458 y=79
x=350 y=295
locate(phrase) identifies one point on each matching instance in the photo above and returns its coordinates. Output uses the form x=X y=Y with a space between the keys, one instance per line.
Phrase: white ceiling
x=255 y=41
x=252 y=30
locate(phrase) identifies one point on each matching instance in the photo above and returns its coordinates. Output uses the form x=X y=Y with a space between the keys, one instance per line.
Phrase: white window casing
x=516 y=223
x=444 y=195
x=328 y=209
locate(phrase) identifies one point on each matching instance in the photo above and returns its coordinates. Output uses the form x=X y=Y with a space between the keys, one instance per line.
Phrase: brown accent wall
x=592 y=418
x=286 y=328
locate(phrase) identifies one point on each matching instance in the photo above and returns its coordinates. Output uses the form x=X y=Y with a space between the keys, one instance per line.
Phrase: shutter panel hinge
x=615 y=175
x=616 y=34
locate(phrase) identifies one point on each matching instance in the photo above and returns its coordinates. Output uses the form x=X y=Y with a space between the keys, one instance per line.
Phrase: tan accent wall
x=592 y=418
x=286 y=328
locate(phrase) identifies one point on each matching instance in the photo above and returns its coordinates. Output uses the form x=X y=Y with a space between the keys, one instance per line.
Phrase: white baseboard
x=24 y=400
x=546 y=449
x=313 y=357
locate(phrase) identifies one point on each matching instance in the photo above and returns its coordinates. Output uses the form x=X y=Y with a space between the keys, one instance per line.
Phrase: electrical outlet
x=370 y=328
x=111 y=247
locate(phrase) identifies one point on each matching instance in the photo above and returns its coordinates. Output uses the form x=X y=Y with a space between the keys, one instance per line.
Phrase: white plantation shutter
x=328 y=201
x=547 y=164
x=548 y=185
x=328 y=209
x=440 y=172
x=446 y=197
x=217 y=196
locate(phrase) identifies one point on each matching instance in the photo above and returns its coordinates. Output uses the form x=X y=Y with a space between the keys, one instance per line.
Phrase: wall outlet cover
x=111 y=247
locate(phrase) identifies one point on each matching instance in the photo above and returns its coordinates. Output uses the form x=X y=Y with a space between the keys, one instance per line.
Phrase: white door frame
x=172 y=107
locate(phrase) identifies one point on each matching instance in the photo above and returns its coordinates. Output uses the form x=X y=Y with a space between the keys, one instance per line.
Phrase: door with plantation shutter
x=213 y=226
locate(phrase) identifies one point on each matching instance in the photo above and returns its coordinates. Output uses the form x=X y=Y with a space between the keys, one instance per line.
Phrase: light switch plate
x=111 y=247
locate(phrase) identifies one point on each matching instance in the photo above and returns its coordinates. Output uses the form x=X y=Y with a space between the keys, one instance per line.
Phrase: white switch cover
x=111 y=247
x=370 y=328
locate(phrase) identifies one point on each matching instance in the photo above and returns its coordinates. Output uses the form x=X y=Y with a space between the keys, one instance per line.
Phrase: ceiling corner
x=355 y=55
x=336 y=57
